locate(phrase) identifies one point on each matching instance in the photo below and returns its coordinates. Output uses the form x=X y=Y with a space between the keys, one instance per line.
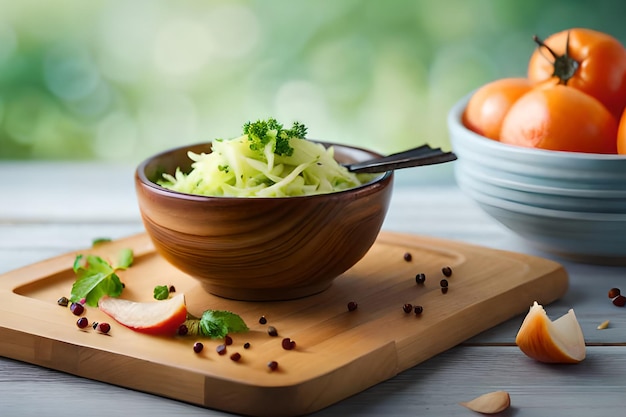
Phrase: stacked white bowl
x=566 y=203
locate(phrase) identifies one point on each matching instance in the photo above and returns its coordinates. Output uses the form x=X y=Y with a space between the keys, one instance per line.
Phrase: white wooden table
x=48 y=208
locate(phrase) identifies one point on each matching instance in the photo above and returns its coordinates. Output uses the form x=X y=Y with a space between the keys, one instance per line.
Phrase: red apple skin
x=148 y=318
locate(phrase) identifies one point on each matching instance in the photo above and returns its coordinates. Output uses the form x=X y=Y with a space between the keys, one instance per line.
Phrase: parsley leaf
x=161 y=292
x=95 y=278
x=219 y=323
x=125 y=259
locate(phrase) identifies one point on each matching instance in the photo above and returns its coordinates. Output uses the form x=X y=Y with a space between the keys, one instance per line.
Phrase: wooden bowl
x=254 y=249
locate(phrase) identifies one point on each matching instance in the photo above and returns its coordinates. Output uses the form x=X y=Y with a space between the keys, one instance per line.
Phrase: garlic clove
x=558 y=341
x=489 y=403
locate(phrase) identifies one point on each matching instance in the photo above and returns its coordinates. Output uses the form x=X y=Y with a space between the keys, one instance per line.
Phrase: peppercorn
x=443 y=283
x=614 y=292
x=420 y=278
x=183 y=330
x=418 y=310
x=235 y=357
x=246 y=345
x=288 y=344
x=63 y=301
x=352 y=305
x=407 y=308
x=273 y=365
x=82 y=322
x=228 y=340
x=221 y=349
x=271 y=330
x=408 y=257
x=619 y=301
x=197 y=347
x=172 y=288
x=447 y=271
x=262 y=320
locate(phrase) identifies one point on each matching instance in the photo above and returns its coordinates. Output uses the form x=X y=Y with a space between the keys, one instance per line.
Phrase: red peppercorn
x=197 y=347
x=82 y=322
x=235 y=357
x=77 y=309
x=614 y=292
x=619 y=301
x=407 y=308
x=228 y=340
x=288 y=344
x=103 y=328
x=183 y=330
x=273 y=365
x=408 y=257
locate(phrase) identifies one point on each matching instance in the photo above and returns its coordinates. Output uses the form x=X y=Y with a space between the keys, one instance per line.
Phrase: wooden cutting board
x=339 y=352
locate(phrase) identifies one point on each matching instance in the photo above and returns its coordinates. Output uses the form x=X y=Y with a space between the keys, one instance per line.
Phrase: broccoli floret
x=262 y=132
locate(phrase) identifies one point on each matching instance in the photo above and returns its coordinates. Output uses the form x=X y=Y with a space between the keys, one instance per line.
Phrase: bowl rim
x=582 y=193
x=381 y=180
x=535 y=211
x=454 y=120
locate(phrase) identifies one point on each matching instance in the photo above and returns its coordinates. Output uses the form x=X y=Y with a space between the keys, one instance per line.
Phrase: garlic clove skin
x=558 y=341
x=489 y=403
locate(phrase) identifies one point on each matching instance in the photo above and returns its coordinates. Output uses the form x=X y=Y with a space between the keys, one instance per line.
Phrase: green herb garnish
x=96 y=277
x=125 y=259
x=161 y=292
x=100 y=240
x=216 y=324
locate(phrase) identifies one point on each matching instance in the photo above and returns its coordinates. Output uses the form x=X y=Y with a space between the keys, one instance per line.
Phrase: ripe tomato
x=591 y=61
x=488 y=105
x=621 y=135
x=560 y=118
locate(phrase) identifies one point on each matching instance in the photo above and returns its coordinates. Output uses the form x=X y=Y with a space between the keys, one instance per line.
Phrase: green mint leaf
x=125 y=259
x=219 y=323
x=99 y=240
x=161 y=292
x=95 y=278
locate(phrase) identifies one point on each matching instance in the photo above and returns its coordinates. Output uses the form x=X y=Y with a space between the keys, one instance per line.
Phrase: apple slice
x=559 y=341
x=156 y=318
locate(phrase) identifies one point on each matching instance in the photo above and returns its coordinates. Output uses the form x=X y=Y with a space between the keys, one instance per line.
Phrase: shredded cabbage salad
x=266 y=161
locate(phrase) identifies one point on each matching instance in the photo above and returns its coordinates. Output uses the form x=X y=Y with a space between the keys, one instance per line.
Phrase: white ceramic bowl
x=566 y=203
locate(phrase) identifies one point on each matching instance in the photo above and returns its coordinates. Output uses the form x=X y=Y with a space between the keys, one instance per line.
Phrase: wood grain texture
x=339 y=353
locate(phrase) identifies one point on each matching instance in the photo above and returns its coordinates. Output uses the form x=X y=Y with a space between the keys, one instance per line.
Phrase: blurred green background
x=121 y=79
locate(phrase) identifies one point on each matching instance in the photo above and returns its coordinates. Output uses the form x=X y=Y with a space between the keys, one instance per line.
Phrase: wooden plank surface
x=339 y=353
x=425 y=202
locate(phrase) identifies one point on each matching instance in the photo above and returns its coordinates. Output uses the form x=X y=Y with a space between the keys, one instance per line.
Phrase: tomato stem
x=564 y=65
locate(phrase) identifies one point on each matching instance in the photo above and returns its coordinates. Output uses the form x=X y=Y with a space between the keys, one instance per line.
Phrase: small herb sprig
x=97 y=277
